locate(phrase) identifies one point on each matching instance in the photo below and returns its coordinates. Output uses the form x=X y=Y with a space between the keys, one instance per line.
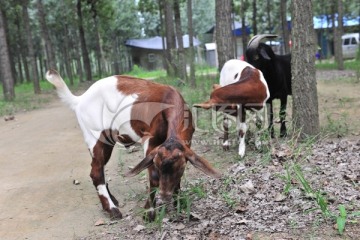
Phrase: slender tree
x=181 y=65
x=269 y=16
x=170 y=37
x=191 y=44
x=98 y=48
x=84 y=51
x=284 y=26
x=46 y=36
x=30 y=45
x=223 y=32
x=305 y=101
x=5 y=67
x=244 y=37
x=338 y=31
x=254 y=17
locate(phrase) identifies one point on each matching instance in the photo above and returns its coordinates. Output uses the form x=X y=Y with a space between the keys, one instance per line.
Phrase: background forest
x=84 y=39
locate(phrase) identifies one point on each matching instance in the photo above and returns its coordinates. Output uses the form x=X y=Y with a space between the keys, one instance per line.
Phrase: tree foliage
x=107 y=24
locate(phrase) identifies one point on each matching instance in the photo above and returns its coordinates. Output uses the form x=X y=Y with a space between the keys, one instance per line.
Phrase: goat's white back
x=103 y=107
x=230 y=69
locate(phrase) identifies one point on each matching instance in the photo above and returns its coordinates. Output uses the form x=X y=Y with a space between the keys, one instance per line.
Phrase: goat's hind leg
x=101 y=154
x=282 y=114
x=226 y=144
x=270 y=119
x=242 y=129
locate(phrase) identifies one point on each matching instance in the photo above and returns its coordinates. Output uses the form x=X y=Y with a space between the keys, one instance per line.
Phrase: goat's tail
x=62 y=89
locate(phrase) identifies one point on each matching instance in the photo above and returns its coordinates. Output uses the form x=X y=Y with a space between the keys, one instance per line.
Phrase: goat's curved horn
x=254 y=41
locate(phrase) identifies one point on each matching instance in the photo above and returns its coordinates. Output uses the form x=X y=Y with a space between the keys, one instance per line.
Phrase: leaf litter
x=249 y=200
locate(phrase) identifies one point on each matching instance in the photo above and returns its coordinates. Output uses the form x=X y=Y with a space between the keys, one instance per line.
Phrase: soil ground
x=42 y=153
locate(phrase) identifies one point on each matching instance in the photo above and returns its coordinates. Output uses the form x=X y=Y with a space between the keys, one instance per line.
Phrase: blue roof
x=155 y=43
x=324 y=21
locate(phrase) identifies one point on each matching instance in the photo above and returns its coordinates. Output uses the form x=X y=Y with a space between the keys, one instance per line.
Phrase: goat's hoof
x=226 y=147
x=149 y=215
x=115 y=213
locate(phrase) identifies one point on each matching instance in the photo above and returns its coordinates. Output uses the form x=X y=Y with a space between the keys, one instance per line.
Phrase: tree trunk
x=223 y=33
x=284 y=25
x=305 y=101
x=116 y=66
x=98 y=48
x=243 y=27
x=67 y=55
x=268 y=10
x=84 y=51
x=30 y=46
x=338 y=31
x=19 y=48
x=50 y=54
x=191 y=44
x=170 y=37
x=5 y=67
x=254 y=17
x=181 y=66
x=161 y=19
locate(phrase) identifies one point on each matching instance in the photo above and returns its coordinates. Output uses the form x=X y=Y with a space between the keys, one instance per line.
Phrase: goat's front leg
x=242 y=130
x=151 y=201
x=282 y=114
x=101 y=153
x=226 y=144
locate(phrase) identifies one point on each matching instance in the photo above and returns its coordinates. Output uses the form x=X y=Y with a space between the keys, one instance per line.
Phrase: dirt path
x=41 y=153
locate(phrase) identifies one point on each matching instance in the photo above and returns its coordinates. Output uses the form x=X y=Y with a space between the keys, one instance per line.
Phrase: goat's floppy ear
x=264 y=54
x=145 y=163
x=204 y=105
x=201 y=164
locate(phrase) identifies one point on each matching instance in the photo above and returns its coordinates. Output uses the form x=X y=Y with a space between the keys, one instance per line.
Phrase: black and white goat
x=277 y=73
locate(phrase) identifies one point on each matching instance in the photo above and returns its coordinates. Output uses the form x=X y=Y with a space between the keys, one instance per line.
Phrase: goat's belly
x=127 y=135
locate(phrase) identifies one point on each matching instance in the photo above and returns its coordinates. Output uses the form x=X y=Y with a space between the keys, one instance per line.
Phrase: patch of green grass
x=336 y=125
x=331 y=65
x=26 y=99
x=142 y=73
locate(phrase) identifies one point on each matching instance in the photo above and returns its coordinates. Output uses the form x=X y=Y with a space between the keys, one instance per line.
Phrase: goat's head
x=169 y=159
x=258 y=53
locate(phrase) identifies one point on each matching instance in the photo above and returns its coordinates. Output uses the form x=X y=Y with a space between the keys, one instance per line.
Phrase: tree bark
x=30 y=46
x=284 y=25
x=223 y=32
x=181 y=66
x=305 y=101
x=84 y=51
x=5 y=67
x=191 y=44
x=50 y=54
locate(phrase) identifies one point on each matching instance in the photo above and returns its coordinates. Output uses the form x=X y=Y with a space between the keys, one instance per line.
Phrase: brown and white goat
x=128 y=110
x=241 y=87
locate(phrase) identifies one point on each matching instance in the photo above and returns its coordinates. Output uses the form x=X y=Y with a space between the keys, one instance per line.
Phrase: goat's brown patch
x=249 y=89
